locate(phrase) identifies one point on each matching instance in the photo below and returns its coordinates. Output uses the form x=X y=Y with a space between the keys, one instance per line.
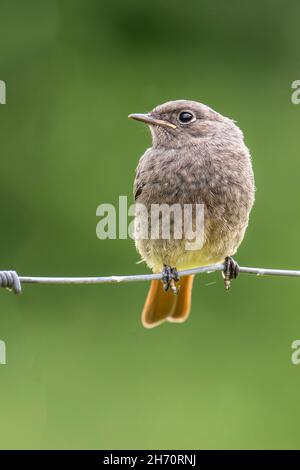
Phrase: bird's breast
x=170 y=176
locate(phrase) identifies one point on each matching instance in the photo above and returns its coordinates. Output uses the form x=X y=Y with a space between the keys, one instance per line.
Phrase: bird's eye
x=186 y=117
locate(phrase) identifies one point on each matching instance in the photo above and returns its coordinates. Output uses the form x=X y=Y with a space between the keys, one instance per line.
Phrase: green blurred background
x=81 y=371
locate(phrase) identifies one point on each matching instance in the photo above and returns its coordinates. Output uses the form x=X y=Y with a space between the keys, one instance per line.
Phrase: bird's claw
x=169 y=278
x=231 y=271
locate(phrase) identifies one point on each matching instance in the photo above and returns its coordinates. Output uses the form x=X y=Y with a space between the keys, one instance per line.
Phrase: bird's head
x=184 y=122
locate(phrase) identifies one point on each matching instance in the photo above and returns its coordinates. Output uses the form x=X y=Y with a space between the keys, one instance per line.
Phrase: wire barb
x=12 y=281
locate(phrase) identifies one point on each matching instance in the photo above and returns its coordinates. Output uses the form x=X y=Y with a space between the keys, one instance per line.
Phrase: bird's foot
x=169 y=278
x=231 y=271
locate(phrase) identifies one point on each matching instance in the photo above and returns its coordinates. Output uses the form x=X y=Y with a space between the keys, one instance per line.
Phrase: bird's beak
x=148 y=119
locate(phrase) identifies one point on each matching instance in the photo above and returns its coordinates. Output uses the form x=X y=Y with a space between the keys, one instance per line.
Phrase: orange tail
x=161 y=306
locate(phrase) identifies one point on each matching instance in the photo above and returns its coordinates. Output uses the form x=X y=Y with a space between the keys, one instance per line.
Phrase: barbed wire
x=12 y=281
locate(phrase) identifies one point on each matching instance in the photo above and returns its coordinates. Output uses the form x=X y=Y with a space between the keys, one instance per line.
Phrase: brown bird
x=197 y=156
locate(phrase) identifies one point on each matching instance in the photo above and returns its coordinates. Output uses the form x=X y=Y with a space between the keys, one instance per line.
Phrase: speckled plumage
x=205 y=161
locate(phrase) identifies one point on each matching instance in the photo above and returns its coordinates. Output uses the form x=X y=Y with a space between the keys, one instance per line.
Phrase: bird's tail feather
x=161 y=306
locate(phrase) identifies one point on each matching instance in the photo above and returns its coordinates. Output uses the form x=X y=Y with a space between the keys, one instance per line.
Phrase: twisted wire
x=12 y=281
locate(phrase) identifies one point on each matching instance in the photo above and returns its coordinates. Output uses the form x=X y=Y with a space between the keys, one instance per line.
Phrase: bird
x=197 y=157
